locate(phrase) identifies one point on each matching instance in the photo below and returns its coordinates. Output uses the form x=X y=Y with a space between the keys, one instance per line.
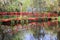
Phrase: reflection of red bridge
x=43 y=24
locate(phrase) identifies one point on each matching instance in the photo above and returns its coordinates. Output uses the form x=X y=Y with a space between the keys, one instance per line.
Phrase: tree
x=45 y=5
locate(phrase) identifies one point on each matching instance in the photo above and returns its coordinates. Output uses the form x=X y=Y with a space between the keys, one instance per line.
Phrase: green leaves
x=59 y=18
x=6 y=16
x=10 y=6
x=13 y=5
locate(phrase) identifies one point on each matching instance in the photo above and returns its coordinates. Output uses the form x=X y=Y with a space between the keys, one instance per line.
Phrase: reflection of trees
x=7 y=33
x=58 y=35
x=36 y=30
x=4 y=32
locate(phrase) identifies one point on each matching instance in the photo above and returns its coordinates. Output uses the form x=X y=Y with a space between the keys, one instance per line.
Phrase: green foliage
x=46 y=5
x=13 y=5
x=12 y=23
x=6 y=16
x=26 y=3
x=59 y=18
x=18 y=36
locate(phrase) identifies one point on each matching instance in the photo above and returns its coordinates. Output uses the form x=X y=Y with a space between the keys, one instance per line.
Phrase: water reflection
x=33 y=31
x=37 y=32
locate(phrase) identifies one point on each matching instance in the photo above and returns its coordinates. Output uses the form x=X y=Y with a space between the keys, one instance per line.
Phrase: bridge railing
x=30 y=14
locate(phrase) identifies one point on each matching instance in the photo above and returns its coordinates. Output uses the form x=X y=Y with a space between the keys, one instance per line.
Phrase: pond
x=38 y=32
x=33 y=31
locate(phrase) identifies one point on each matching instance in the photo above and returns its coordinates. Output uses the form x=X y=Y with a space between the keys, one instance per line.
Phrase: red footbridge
x=32 y=16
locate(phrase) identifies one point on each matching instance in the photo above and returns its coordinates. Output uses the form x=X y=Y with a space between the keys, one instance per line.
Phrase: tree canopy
x=41 y=5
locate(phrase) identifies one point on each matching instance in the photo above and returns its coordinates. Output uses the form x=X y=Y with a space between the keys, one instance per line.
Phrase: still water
x=33 y=31
x=36 y=31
